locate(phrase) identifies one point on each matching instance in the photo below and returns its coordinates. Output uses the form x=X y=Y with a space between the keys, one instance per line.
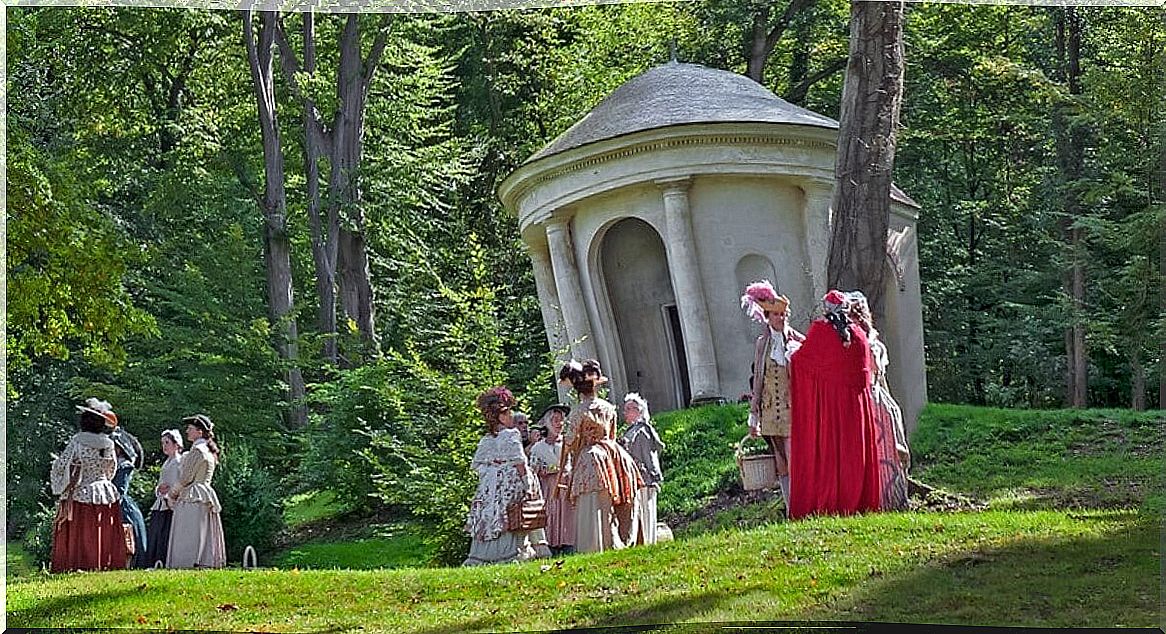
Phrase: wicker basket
x=758 y=471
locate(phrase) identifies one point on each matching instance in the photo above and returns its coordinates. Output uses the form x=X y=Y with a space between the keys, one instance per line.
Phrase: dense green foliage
x=135 y=269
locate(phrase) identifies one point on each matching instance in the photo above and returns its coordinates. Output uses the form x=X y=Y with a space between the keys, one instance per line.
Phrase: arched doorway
x=643 y=305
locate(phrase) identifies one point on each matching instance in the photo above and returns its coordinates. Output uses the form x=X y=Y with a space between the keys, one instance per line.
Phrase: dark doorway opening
x=679 y=360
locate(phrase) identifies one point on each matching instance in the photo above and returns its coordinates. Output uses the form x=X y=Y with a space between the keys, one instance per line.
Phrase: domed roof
x=678 y=94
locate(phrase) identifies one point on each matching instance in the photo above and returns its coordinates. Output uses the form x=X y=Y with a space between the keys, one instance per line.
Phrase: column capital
x=816 y=187
x=676 y=185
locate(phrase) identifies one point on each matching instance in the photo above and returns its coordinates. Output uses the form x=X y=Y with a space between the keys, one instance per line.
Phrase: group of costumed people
x=579 y=488
x=99 y=526
x=821 y=402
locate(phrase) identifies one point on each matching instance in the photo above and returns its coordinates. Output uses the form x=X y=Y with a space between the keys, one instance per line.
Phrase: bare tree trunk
x=1138 y=389
x=765 y=37
x=276 y=245
x=757 y=54
x=324 y=241
x=1070 y=163
x=348 y=133
x=871 y=98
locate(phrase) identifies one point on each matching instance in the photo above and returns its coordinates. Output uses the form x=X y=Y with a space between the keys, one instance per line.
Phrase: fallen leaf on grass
x=562 y=584
x=141 y=620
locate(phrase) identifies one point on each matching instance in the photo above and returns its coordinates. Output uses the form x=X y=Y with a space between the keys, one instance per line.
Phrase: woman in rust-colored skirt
x=88 y=533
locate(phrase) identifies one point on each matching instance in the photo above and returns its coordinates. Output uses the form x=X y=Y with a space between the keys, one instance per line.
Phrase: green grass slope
x=1072 y=539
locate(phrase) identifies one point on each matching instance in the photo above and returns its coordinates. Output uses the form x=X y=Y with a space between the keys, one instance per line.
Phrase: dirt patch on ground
x=723 y=501
x=1112 y=494
x=922 y=498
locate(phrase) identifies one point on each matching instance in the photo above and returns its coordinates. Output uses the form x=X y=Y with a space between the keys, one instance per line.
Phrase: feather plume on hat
x=760 y=297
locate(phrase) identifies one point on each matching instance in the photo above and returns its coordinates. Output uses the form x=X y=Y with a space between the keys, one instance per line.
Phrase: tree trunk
x=764 y=38
x=1070 y=163
x=1138 y=389
x=871 y=98
x=276 y=245
x=324 y=241
x=344 y=183
x=757 y=53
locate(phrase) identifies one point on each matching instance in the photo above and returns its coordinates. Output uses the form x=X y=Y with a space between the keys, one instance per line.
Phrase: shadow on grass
x=74 y=604
x=1095 y=581
x=673 y=609
x=626 y=616
x=484 y=624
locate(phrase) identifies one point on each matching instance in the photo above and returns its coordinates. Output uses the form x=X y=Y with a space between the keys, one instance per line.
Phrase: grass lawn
x=1072 y=539
x=993 y=568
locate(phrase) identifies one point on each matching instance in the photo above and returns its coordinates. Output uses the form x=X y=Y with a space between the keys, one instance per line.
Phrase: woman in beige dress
x=769 y=406
x=196 y=531
x=597 y=476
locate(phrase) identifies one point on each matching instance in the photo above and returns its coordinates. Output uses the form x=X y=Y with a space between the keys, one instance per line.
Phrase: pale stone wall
x=738 y=217
x=756 y=197
x=907 y=374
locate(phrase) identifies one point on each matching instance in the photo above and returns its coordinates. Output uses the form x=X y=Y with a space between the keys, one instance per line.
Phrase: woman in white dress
x=504 y=478
x=196 y=530
x=161 y=513
x=894 y=454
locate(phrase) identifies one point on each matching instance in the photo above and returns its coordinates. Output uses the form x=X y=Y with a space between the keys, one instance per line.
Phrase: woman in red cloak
x=833 y=456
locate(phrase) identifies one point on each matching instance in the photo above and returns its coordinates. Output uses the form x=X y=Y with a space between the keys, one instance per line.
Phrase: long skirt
x=892 y=475
x=646 y=516
x=509 y=546
x=196 y=537
x=157 y=537
x=560 y=515
x=132 y=515
x=595 y=524
x=93 y=540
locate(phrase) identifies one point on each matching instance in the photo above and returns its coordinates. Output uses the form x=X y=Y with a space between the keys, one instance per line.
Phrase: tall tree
x=273 y=202
x=871 y=98
x=341 y=140
x=766 y=32
x=1069 y=133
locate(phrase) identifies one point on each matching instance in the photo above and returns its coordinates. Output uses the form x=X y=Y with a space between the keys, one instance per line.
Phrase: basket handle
x=737 y=450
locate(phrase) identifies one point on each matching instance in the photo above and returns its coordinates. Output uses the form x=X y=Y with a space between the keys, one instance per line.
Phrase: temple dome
x=676 y=94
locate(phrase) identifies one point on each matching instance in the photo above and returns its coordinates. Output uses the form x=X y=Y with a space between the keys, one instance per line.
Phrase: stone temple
x=646 y=219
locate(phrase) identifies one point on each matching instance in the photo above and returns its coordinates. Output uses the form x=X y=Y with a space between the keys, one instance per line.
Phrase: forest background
x=336 y=314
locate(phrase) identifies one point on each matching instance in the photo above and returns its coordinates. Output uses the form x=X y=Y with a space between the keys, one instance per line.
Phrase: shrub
x=252 y=514
x=38 y=540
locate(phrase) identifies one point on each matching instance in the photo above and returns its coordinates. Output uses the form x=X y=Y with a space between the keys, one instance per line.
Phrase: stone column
x=552 y=312
x=562 y=253
x=684 y=269
x=817 y=217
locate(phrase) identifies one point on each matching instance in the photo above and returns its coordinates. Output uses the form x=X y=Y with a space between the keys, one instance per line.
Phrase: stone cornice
x=531 y=175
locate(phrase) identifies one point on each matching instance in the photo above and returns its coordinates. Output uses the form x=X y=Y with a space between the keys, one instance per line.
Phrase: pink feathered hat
x=761 y=297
